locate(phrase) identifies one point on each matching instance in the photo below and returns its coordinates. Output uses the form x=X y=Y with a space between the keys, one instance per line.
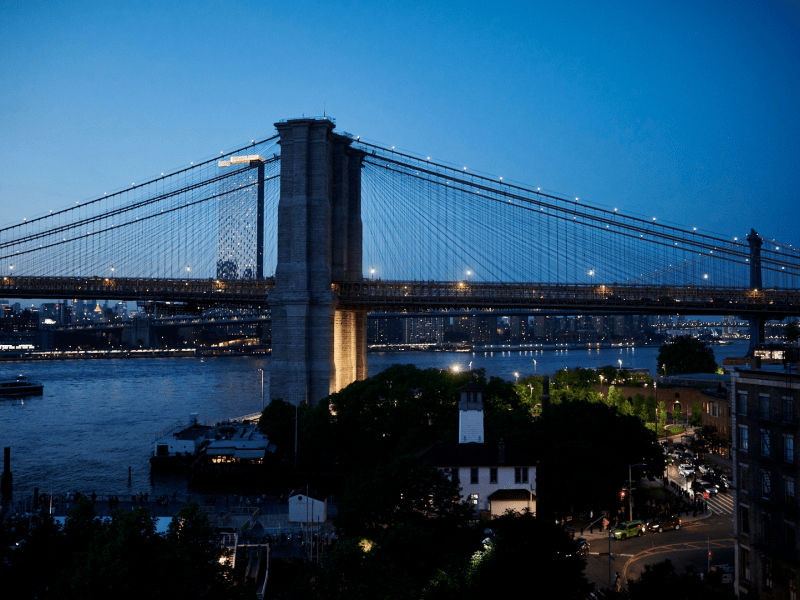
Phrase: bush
x=675 y=429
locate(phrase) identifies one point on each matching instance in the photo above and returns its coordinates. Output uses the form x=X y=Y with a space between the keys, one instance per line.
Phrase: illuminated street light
x=516 y=375
x=262 y=389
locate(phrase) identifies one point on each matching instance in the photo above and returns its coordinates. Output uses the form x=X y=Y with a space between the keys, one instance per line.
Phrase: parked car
x=628 y=529
x=661 y=523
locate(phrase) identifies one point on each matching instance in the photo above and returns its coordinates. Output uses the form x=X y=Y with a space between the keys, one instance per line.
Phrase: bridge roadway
x=419 y=296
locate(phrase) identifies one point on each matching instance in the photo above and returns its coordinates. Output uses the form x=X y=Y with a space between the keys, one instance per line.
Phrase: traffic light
x=622 y=495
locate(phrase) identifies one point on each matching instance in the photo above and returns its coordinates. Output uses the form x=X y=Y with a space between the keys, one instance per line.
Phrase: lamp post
x=262 y=389
x=516 y=376
x=630 y=489
x=534 y=367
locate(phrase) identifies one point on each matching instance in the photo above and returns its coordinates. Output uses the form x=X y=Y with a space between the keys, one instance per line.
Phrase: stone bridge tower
x=316 y=348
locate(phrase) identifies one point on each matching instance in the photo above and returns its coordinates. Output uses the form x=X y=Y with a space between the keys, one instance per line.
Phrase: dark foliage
x=686 y=354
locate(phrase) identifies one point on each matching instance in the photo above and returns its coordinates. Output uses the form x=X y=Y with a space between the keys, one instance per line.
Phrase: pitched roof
x=474 y=455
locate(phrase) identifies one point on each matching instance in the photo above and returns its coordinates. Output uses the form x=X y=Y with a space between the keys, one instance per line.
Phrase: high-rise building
x=766 y=425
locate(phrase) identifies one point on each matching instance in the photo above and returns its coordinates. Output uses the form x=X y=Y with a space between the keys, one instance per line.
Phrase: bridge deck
x=425 y=295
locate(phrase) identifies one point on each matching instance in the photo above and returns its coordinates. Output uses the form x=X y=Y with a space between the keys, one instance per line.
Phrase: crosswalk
x=721 y=504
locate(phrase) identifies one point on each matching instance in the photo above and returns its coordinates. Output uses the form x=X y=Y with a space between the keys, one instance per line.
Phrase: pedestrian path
x=721 y=504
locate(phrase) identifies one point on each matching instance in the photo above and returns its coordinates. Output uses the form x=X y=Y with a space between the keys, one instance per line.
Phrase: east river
x=99 y=417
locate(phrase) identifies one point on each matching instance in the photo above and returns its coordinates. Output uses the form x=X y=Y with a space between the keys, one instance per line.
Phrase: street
x=687 y=547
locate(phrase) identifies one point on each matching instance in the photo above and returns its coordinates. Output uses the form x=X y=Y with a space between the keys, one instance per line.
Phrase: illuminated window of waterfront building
x=473 y=500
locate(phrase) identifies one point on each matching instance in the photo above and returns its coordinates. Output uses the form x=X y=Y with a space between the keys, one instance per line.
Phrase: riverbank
x=11 y=356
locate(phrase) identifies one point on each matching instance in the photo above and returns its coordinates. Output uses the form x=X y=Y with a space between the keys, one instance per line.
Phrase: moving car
x=628 y=529
x=685 y=470
x=659 y=524
x=706 y=469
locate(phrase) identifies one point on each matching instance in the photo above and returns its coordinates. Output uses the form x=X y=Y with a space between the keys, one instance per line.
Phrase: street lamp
x=262 y=389
x=516 y=375
x=534 y=367
x=371 y=273
x=630 y=489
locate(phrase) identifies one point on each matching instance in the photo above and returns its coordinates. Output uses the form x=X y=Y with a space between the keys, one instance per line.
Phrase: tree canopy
x=121 y=557
x=686 y=354
x=584 y=450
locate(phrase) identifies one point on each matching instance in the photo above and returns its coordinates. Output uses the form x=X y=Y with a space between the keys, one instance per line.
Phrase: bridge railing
x=216 y=290
x=717 y=300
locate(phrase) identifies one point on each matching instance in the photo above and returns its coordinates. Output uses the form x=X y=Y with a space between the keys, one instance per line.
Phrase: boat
x=21 y=386
x=179 y=446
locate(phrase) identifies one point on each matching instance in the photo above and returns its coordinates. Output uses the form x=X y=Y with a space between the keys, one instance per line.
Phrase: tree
x=662 y=581
x=686 y=354
x=662 y=416
x=618 y=400
x=534 y=552
x=593 y=444
x=697 y=414
x=676 y=413
x=122 y=557
x=401 y=491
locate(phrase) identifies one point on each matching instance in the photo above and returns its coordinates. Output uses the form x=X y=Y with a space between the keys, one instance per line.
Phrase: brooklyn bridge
x=322 y=227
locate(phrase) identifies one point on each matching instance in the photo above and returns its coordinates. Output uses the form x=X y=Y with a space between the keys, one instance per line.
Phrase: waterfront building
x=766 y=425
x=494 y=476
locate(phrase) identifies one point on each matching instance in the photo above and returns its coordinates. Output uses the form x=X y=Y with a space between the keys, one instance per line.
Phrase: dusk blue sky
x=685 y=111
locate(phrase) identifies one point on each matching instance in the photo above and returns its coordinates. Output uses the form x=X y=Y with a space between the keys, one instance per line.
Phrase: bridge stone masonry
x=317 y=349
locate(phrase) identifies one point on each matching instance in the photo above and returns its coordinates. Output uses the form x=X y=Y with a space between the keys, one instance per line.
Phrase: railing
x=404 y=295
x=237 y=291
x=696 y=300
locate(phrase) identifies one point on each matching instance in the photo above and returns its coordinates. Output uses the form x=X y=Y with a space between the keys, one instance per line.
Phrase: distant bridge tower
x=316 y=348
x=756 y=323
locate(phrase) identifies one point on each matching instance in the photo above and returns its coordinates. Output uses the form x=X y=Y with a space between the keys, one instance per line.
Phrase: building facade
x=494 y=477
x=766 y=424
